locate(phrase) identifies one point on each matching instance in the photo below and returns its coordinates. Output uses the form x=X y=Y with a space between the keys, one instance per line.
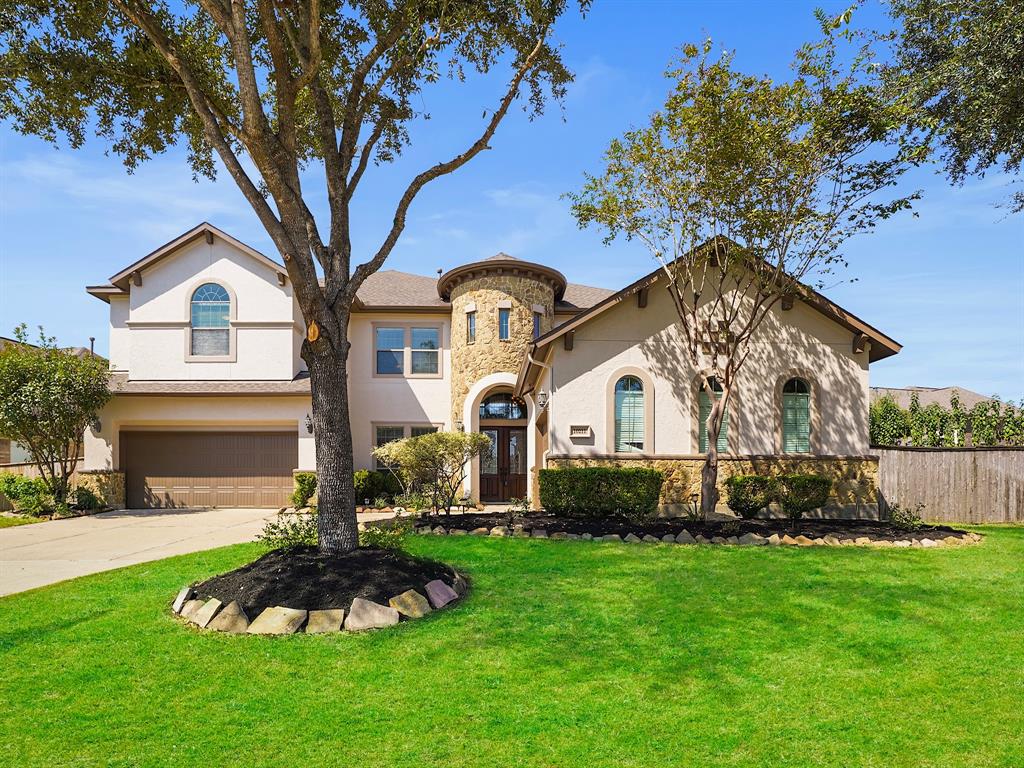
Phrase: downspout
x=551 y=376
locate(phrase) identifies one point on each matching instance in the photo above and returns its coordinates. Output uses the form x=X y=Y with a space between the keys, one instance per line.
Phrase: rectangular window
x=796 y=423
x=536 y=324
x=211 y=342
x=420 y=431
x=390 y=349
x=426 y=350
x=384 y=435
x=470 y=327
x=629 y=422
x=503 y=324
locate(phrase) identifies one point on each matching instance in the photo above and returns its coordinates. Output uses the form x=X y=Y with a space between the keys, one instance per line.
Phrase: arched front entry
x=504 y=472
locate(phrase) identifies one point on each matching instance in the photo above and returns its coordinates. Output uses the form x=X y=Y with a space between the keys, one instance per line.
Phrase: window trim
x=407 y=326
x=471 y=327
x=507 y=310
x=814 y=438
x=609 y=425
x=232 y=355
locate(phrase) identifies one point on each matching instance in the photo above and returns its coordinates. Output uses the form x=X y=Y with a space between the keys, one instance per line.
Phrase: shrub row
x=369 y=484
x=796 y=494
x=600 y=491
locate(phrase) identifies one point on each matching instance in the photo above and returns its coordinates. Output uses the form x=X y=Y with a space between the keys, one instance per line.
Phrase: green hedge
x=749 y=494
x=600 y=491
x=371 y=484
x=305 y=487
x=798 y=494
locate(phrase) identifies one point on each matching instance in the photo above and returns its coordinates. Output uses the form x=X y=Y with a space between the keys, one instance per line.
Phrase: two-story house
x=212 y=402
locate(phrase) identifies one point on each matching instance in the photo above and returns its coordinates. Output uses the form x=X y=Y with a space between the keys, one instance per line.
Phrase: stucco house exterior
x=212 y=400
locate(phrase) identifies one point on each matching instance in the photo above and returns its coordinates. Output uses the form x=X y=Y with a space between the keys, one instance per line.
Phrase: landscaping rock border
x=684 y=537
x=206 y=612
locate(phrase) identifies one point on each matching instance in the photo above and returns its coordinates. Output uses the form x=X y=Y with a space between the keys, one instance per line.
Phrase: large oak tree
x=275 y=89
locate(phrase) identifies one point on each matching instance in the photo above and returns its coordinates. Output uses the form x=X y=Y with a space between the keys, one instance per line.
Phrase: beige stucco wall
x=626 y=337
x=152 y=341
x=102 y=449
x=393 y=400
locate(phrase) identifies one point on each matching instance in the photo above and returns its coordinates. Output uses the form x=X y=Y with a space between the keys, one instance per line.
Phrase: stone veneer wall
x=487 y=355
x=854 y=478
x=107 y=484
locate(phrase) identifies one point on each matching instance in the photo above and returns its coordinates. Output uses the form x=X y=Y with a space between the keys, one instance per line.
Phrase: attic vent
x=579 y=430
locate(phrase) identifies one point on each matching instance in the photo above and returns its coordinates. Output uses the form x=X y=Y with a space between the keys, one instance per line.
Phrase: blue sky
x=949 y=285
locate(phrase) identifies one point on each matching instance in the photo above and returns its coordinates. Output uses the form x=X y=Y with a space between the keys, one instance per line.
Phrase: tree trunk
x=337 y=528
x=709 y=472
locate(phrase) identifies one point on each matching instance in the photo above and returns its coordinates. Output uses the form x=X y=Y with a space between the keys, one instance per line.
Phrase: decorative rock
x=179 y=601
x=846 y=542
x=611 y=537
x=189 y=609
x=205 y=615
x=701 y=539
x=573 y=536
x=366 y=614
x=539 y=533
x=499 y=530
x=632 y=538
x=717 y=540
x=440 y=594
x=832 y=541
x=952 y=541
x=460 y=585
x=882 y=543
x=732 y=540
x=903 y=544
x=423 y=530
x=668 y=538
x=775 y=540
x=787 y=539
x=752 y=539
x=410 y=603
x=278 y=621
x=803 y=541
x=520 y=533
x=929 y=543
x=862 y=541
x=587 y=537
x=458 y=532
x=684 y=537
x=650 y=539
x=559 y=536
x=325 y=620
x=440 y=531
x=231 y=619
x=479 y=532
x=819 y=542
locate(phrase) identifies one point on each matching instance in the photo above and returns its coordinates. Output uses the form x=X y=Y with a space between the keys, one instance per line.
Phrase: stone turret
x=484 y=288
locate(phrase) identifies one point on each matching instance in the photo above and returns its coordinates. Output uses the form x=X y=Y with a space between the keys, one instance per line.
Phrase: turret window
x=504 y=320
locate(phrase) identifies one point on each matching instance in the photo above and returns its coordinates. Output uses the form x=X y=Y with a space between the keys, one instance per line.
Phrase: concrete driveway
x=44 y=553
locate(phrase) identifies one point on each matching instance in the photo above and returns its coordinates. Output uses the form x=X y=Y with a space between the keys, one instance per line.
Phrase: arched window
x=502 y=406
x=796 y=416
x=629 y=415
x=702 y=417
x=211 y=321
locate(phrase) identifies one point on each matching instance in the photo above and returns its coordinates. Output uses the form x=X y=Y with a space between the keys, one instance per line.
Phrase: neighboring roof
x=76 y=351
x=121 y=385
x=119 y=283
x=882 y=346
x=928 y=395
x=499 y=264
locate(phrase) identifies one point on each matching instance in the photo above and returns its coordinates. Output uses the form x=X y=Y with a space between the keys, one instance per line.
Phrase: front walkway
x=44 y=553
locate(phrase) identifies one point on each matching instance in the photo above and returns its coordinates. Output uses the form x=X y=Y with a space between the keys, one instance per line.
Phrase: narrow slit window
x=504 y=318
x=536 y=324
x=470 y=327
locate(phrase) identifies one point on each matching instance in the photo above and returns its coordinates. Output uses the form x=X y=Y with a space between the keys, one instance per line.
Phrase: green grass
x=10 y=522
x=565 y=654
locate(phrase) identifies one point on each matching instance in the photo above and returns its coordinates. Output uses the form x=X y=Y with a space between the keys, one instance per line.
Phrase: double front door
x=503 y=465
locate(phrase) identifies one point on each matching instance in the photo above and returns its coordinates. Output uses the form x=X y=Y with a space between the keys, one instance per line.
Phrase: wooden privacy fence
x=957 y=485
x=28 y=469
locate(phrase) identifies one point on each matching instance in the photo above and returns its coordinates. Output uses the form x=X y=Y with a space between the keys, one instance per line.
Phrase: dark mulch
x=306 y=578
x=873 y=529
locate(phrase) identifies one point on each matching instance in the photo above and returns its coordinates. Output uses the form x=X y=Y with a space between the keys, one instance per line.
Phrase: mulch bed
x=306 y=578
x=658 y=527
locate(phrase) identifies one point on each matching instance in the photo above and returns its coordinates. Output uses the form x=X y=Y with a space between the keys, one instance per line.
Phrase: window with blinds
x=796 y=417
x=705 y=410
x=210 y=321
x=629 y=415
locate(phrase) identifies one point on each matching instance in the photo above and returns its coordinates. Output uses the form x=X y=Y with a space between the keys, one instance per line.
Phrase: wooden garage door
x=208 y=469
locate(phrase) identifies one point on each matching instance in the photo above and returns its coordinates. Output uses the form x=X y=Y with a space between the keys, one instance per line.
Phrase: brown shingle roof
x=928 y=395
x=121 y=385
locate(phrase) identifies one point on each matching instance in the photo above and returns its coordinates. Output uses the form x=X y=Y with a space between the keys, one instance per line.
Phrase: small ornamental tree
x=888 y=423
x=279 y=90
x=742 y=188
x=48 y=397
x=435 y=463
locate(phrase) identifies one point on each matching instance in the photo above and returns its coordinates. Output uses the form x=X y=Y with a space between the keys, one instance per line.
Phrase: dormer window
x=210 y=322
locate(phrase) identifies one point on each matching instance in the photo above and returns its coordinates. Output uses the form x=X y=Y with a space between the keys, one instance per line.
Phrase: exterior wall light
x=542 y=400
x=459 y=426
x=309 y=424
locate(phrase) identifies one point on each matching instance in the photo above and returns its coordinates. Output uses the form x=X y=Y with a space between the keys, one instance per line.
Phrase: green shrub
x=305 y=487
x=799 y=494
x=906 y=519
x=414 y=500
x=85 y=498
x=600 y=491
x=749 y=494
x=372 y=485
x=289 y=530
x=27 y=494
x=386 y=534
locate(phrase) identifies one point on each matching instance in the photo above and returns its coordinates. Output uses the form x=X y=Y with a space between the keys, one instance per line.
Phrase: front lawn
x=565 y=654
x=9 y=521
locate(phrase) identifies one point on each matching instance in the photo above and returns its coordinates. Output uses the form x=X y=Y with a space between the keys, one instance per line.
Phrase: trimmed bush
x=749 y=494
x=601 y=491
x=799 y=494
x=26 y=494
x=305 y=487
x=374 y=485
